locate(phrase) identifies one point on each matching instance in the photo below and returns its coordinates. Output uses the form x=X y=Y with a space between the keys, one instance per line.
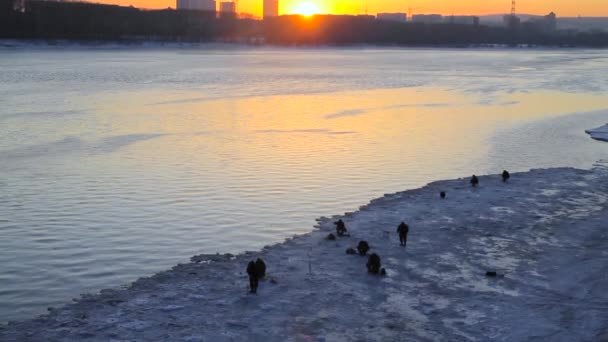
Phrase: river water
x=120 y=162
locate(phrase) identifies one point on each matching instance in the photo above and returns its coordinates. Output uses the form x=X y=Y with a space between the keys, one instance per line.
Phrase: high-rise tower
x=228 y=9
x=512 y=21
x=271 y=8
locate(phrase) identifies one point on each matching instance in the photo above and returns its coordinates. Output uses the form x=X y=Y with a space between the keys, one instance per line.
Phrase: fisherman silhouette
x=253 y=277
x=260 y=268
x=474 y=181
x=373 y=263
x=363 y=247
x=505 y=175
x=403 y=229
x=340 y=228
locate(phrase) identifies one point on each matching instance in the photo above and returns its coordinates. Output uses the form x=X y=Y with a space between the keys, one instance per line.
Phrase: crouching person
x=363 y=247
x=341 y=228
x=373 y=264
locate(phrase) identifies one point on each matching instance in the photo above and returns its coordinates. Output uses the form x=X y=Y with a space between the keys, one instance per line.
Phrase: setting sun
x=306 y=9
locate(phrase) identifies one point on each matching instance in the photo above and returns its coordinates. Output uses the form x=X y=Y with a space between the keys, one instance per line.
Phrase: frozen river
x=117 y=163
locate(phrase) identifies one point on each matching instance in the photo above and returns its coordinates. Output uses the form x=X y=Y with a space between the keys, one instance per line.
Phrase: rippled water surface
x=118 y=163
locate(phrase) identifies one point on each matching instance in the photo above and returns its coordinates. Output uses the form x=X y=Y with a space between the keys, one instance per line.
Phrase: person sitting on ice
x=474 y=181
x=505 y=175
x=340 y=228
x=253 y=277
x=442 y=195
x=363 y=247
x=373 y=264
x=260 y=268
x=403 y=229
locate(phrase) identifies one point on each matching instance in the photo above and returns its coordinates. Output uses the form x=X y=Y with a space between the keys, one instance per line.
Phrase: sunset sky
x=561 y=7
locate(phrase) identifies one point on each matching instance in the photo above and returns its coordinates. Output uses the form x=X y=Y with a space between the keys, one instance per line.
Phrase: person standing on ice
x=505 y=176
x=260 y=268
x=403 y=229
x=252 y=271
x=474 y=181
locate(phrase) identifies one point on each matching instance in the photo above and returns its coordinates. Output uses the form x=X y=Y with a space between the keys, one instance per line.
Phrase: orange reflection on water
x=342 y=137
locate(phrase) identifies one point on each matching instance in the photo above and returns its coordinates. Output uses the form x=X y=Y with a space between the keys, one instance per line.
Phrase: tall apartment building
x=462 y=20
x=271 y=8
x=427 y=18
x=227 y=9
x=399 y=17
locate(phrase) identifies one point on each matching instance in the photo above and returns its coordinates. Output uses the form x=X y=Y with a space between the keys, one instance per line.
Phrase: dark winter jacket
x=403 y=229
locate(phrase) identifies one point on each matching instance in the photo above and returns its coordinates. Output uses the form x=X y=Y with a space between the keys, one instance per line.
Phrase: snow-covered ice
x=544 y=230
x=600 y=133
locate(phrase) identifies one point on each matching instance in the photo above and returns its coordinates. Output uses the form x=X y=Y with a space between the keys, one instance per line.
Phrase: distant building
x=365 y=16
x=511 y=21
x=227 y=9
x=197 y=5
x=399 y=17
x=545 y=24
x=550 y=22
x=427 y=18
x=462 y=20
x=271 y=8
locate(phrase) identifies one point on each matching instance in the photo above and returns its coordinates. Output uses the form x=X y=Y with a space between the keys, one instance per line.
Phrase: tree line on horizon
x=38 y=19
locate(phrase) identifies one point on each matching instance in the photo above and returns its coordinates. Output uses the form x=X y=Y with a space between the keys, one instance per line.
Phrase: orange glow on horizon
x=563 y=8
x=306 y=9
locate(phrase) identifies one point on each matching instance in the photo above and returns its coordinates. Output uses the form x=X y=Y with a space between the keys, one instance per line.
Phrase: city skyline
x=563 y=8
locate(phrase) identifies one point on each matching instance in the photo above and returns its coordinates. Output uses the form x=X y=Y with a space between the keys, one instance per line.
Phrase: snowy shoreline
x=544 y=230
x=599 y=133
